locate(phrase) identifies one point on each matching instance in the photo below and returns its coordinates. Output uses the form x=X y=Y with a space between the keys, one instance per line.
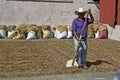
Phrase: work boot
x=83 y=66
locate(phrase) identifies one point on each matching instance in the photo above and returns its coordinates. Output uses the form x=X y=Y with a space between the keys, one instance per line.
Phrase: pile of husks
x=21 y=58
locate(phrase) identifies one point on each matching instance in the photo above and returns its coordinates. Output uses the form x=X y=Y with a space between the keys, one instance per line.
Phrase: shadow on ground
x=97 y=62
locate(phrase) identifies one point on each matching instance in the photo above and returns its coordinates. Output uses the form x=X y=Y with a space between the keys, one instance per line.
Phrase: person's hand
x=89 y=10
x=91 y=16
x=79 y=39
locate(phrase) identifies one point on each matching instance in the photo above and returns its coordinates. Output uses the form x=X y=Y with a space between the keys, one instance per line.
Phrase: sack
x=102 y=34
x=62 y=35
x=13 y=35
x=3 y=33
x=69 y=36
x=46 y=34
x=69 y=31
x=31 y=35
x=10 y=33
x=55 y=33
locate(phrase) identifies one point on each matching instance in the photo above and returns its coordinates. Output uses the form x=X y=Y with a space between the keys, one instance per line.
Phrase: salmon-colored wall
x=118 y=17
x=107 y=11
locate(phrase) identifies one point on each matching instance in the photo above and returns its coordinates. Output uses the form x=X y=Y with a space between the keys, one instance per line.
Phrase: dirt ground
x=26 y=58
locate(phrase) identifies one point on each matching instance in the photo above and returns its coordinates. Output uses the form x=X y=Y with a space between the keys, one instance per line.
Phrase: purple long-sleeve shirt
x=77 y=27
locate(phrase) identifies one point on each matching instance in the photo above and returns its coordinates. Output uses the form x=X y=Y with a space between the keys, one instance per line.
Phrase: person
x=77 y=26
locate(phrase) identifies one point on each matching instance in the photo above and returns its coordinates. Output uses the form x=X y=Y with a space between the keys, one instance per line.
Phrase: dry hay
x=46 y=27
x=31 y=28
x=69 y=28
x=61 y=28
x=31 y=25
x=60 y=31
x=11 y=27
x=12 y=36
x=102 y=27
x=19 y=31
x=19 y=36
x=94 y=27
x=39 y=32
x=2 y=26
x=21 y=28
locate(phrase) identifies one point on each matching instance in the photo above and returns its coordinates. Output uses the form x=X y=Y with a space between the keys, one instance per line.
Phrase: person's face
x=81 y=14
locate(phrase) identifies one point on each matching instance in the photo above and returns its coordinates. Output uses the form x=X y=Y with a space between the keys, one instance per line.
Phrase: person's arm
x=74 y=29
x=91 y=16
x=74 y=33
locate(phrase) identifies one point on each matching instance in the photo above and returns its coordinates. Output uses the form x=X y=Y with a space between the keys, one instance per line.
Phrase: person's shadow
x=97 y=62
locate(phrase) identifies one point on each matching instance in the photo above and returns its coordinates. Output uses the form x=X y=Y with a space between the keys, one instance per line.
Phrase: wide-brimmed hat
x=80 y=10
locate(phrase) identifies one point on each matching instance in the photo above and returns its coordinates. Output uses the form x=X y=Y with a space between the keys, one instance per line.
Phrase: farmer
x=81 y=45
